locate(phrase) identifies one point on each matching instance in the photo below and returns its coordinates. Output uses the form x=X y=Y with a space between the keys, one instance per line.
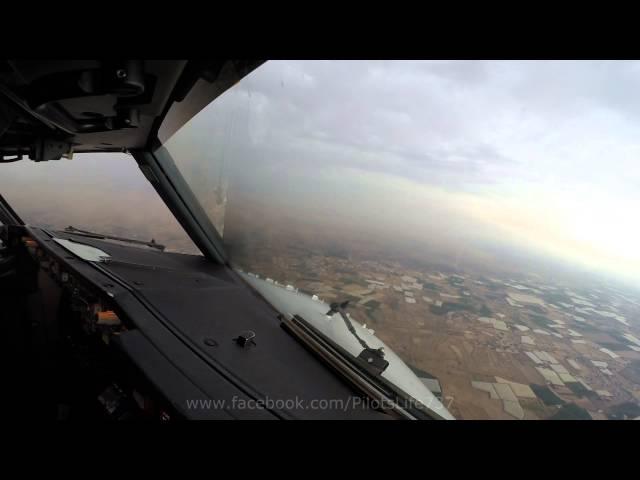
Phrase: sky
x=541 y=155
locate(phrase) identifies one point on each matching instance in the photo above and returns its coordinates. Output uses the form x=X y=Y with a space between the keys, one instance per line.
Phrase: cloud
x=438 y=116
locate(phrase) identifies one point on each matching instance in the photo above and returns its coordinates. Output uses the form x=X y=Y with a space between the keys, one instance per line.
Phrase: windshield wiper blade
x=355 y=370
x=86 y=233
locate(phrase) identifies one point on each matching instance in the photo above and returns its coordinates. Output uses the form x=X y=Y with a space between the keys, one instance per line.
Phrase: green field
x=571 y=411
x=450 y=307
x=580 y=390
x=622 y=410
x=467 y=306
x=614 y=346
x=537 y=309
x=372 y=304
x=553 y=297
x=354 y=281
x=540 y=320
x=373 y=316
x=546 y=395
x=429 y=286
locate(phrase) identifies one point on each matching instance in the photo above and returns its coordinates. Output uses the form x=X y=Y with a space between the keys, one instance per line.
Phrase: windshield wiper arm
x=372 y=357
x=86 y=233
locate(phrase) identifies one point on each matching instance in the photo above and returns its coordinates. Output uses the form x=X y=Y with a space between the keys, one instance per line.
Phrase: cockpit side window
x=100 y=192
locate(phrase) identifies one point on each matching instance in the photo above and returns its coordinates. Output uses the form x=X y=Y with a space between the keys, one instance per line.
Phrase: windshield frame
x=160 y=170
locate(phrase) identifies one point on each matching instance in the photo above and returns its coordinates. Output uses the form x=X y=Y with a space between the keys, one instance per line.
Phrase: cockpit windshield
x=477 y=216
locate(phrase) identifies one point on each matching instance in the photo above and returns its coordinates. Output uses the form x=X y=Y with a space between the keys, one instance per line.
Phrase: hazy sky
x=544 y=155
